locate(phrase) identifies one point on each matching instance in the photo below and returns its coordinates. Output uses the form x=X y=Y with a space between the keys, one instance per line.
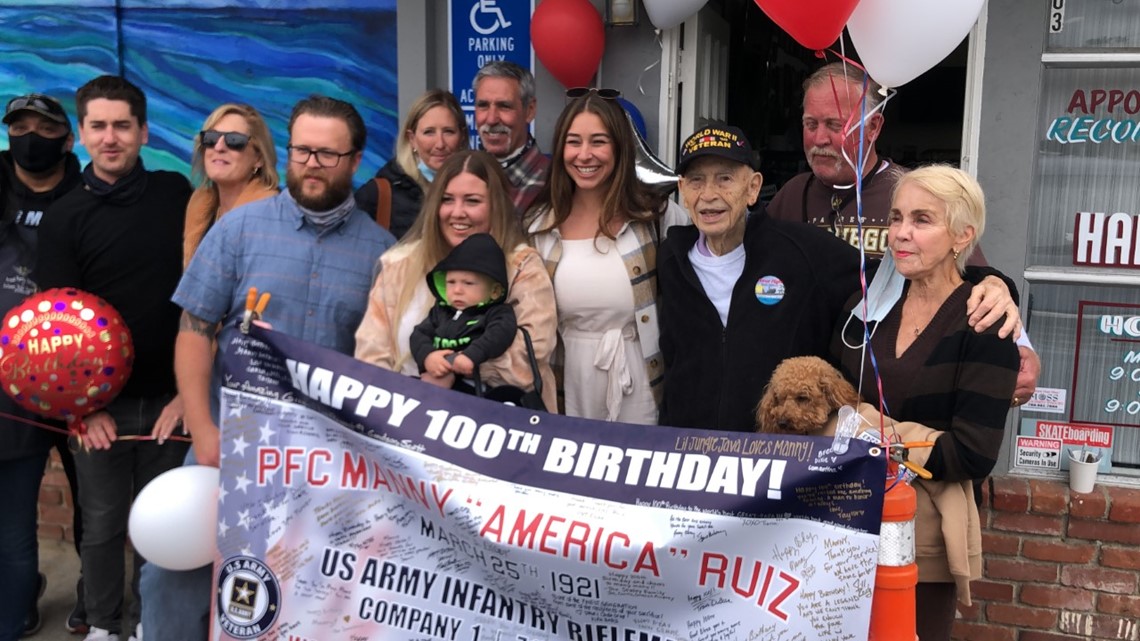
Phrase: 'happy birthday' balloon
x=64 y=353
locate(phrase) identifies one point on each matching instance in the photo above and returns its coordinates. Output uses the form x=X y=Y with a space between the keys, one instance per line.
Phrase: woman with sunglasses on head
x=596 y=227
x=234 y=163
x=434 y=129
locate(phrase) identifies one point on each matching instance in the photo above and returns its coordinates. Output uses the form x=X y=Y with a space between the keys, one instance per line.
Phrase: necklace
x=926 y=306
x=919 y=327
x=838 y=200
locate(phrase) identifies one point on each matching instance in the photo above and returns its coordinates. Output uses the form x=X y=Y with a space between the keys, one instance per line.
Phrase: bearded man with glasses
x=314 y=251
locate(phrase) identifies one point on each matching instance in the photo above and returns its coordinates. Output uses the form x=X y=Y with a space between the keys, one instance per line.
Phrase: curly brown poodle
x=802 y=395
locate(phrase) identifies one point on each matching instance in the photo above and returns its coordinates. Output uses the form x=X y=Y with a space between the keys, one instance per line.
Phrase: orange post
x=892 y=605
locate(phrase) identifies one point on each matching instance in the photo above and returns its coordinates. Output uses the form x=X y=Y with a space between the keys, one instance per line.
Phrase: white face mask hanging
x=884 y=291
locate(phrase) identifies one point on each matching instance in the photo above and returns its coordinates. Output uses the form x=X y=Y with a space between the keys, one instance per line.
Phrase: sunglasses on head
x=604 y=94
x=34 y=101
x=234 y=140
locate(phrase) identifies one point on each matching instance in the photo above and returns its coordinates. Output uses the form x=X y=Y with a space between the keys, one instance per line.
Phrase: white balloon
x=898 y=40
x=666 y=14
x=174 y=520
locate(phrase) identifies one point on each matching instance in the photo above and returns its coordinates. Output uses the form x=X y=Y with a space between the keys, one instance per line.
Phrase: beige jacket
x=530 y=294
x=948 y=531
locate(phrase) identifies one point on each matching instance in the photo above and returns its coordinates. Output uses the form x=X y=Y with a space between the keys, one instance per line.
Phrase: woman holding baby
x=949 y=383
x=470 y=195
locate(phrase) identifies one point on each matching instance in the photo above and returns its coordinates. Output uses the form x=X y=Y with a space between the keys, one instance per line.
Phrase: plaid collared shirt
x=527 y=174
x=319 y=278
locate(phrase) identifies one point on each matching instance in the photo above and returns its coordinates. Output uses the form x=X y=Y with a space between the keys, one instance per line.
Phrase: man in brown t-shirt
x=825 y=196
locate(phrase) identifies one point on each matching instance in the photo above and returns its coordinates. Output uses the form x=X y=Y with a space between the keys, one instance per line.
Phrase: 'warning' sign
x=1038 y=453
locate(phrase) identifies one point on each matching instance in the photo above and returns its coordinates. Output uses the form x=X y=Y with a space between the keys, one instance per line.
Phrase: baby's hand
x=436 y=363
x=462 y=365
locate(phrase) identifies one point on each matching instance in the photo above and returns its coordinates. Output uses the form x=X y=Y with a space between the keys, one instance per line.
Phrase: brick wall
x=1058 y=565
x=55 y=503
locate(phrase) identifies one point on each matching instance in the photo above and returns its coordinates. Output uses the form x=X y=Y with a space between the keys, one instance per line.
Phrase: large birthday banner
x=357 y=504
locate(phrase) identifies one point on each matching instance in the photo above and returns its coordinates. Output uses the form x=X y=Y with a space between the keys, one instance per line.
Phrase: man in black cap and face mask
x=37 y=169
x=38 y=166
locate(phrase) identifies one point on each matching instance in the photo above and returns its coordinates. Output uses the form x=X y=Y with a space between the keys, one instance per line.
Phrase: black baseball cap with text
x=723 y=141
x=45 y=106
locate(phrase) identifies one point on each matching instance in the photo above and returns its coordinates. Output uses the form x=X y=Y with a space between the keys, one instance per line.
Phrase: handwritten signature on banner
x=359 y=504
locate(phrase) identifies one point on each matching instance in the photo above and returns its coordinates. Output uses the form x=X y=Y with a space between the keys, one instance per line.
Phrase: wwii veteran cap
x=723 y=141
x=45 y=106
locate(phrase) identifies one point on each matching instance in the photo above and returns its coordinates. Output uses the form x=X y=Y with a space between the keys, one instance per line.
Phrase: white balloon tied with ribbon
x=899 y=40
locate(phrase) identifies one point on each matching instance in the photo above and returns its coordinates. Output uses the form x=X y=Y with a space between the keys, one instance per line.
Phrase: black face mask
x=37 y=154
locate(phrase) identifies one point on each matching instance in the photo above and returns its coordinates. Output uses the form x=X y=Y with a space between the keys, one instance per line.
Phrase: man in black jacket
x=119 y=236
x=37 y=169
x=741 y=293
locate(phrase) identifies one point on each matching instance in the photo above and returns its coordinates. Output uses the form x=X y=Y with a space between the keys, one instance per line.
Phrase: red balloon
x=816 y=24
x=64 y=353
x=568 y=39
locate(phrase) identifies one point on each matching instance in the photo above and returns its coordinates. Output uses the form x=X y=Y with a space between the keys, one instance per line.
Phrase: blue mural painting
x=191 y=56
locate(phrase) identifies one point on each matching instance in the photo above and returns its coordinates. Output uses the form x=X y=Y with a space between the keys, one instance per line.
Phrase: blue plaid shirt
x=318 y=279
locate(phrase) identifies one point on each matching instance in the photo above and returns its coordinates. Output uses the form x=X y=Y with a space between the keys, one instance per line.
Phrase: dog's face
x=801 y=396
x=797 y=407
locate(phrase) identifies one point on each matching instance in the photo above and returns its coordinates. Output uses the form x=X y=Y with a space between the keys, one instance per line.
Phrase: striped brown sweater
x=950 y=379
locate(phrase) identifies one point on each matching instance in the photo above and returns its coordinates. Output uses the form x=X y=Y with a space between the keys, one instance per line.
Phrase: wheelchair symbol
x=488 y=7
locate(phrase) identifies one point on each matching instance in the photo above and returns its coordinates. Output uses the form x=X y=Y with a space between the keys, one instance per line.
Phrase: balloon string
x=641 y=76
x=148 y=437
x=859 y=165
x=847 y=60
x=44 y=426
x=82 y=429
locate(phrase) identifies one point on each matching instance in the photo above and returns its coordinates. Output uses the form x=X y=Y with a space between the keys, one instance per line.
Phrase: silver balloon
x=650 y=170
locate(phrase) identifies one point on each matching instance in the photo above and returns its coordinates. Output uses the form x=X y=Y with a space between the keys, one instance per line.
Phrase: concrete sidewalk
x=60 y=564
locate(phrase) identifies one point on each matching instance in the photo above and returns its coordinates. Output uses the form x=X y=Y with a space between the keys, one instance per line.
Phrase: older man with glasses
x=314 y=251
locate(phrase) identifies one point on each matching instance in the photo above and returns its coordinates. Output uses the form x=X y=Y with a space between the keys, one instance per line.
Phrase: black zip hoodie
x=481 y=331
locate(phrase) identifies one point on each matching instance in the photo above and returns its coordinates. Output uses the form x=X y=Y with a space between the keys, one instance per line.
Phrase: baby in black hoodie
x=469 y=324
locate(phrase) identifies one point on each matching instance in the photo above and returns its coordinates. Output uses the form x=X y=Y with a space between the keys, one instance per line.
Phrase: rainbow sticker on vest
x=769 y=290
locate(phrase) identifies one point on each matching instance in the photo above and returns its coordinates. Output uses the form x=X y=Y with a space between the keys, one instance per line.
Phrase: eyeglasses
x=326 y=158
x=234 y=140
x=604 y=94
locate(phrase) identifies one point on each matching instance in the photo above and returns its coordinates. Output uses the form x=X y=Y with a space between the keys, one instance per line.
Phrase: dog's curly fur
x=802 y=395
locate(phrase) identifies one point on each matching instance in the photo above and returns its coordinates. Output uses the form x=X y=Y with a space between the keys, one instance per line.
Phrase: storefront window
x=1083 y=254
x=1088 y=396
x=1086 y=196
x=1101 y=25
